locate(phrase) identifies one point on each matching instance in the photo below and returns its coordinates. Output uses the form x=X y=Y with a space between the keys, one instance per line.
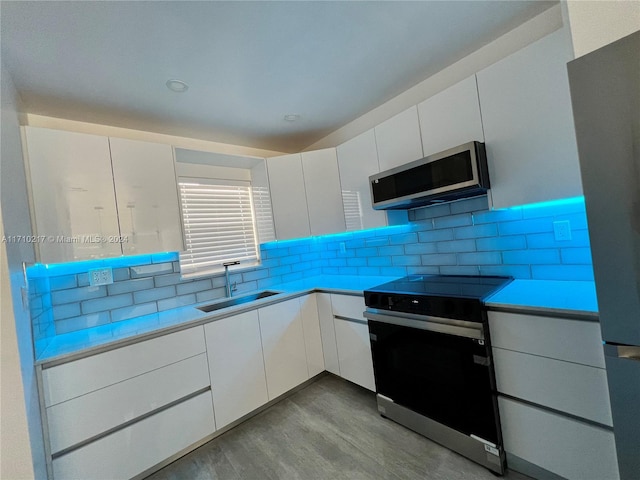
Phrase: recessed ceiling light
x=292 y=117
x=177 y=86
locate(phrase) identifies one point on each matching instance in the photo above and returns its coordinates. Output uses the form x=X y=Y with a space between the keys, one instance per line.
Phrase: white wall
x=21 y=432
x=111 y=131
x=595 y=24
x=521 y=36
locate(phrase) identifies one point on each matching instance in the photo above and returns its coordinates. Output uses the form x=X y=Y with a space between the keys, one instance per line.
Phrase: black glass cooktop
x=450 y=296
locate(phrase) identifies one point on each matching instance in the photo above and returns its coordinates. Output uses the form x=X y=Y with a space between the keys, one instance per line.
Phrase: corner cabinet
x=357 y=160
x=305 y=194
x=98 y=197
x=528 y=124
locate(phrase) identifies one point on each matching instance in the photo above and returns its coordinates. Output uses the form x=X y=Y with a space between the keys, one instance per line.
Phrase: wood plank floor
x=329 y=430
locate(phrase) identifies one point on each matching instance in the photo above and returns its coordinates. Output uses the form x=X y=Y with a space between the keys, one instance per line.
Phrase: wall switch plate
x=100 y=276
x=562 y=230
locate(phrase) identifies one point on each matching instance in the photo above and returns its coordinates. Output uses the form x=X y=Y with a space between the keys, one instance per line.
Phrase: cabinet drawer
x=131 y=451
x=571 y=340
x=348 y=306
x=97 y=412
x=566 y=447
x=568 y=387
x=73 y=379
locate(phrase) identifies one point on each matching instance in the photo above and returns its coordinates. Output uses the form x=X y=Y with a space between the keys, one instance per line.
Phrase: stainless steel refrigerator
x=605 y=93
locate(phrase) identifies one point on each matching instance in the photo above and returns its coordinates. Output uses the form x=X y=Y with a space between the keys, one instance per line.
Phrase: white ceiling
x=247 y=63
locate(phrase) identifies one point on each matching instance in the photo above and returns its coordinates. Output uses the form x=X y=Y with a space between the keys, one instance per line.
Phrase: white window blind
x=219 y=225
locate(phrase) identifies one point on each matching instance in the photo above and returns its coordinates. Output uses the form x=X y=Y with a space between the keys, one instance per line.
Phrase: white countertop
x=548 y=296
x=574 y=299
x=90 y=339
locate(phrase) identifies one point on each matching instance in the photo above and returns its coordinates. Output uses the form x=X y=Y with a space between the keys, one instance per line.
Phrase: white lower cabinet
x=285 y=357
x=140 y=446
x=90 y=415
x=352 y=340
x=552 y=372
x=236 y=366
x=312 y=334
x=328 y=333
x=559 y=444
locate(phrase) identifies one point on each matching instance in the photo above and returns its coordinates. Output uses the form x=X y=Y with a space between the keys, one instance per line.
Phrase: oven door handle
x=458 y=328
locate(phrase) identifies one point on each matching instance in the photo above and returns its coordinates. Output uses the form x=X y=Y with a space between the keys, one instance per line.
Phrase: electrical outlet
x=100 y=276
x=562 y=230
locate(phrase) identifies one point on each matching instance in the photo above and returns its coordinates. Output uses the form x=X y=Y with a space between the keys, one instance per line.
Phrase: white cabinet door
x=288 y=197
x=147 y=196
x=354 y=352
x=328 y=333
x=131 y=451
x=357 y=160
x=236 y=366
x=262 y=203
x=72 y=197
x=322 y=186
x=566 y=447
x=528 y=124
x=312 y=334
x=285 y=358
x=451 y=117
x=94 y=413
x=398 y=139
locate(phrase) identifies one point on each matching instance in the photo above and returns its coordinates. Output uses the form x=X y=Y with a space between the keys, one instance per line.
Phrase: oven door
x=440 y=369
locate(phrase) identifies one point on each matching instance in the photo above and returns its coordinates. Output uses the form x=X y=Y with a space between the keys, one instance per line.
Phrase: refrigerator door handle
x=622 y=351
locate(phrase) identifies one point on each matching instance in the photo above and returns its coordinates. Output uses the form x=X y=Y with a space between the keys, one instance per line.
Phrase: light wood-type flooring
x=329 y=430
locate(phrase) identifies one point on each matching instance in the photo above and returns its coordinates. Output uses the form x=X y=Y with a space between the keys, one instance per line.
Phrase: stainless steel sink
x=232 y=302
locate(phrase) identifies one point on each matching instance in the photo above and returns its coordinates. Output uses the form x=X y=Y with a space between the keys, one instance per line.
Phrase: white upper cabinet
x=73 y=203
x=262 y=202
x=398 y=139
x=322 y=186
x=357 y=160
x=528 y=124
x=288 y=197
x=147 y=196
x=451 y=117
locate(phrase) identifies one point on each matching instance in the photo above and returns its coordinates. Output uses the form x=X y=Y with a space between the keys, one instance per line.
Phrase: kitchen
x=507 y=233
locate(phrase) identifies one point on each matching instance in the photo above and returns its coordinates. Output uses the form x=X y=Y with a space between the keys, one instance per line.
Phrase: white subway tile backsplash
x=462 y=238
x=106 y=303
x=145 y=296
x=128 y=286
x=133 y=311
x=194 y=286
x=77 y=294
x=151 y=270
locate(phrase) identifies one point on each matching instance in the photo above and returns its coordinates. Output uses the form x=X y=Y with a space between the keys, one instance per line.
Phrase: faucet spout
x=227 y=281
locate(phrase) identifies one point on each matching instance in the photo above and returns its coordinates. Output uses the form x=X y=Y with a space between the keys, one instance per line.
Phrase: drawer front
x=89 y=415
x=571 y=340
x=568 y=387
x=566 y=447
x=73 y=379
x=348 y=306
x=131 y=451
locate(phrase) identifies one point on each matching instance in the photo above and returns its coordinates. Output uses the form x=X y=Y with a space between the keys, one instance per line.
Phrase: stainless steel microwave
x=450 y=175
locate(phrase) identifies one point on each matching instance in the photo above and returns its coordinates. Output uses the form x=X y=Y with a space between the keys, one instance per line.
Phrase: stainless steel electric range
x=432 y=361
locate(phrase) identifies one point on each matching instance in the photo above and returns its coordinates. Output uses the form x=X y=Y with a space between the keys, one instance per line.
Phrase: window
x=219 y=225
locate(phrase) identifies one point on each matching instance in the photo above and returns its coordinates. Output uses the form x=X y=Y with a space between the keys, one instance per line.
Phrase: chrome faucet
x=227 y=282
